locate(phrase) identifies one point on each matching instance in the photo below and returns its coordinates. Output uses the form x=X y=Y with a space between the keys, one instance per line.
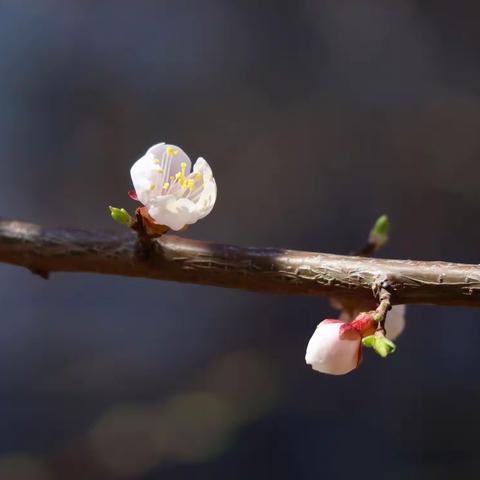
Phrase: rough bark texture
x=44 y=250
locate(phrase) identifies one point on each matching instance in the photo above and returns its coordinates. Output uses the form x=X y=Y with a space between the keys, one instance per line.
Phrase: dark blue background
x=316 y=116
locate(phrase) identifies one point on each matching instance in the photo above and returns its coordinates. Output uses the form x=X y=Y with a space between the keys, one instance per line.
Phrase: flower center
x=180 y=181
x=186 y=184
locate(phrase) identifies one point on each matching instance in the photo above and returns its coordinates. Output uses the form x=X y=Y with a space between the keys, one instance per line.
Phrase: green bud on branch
x=379 y=233
x=120 y=215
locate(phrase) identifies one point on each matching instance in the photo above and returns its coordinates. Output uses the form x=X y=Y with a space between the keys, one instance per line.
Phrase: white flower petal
x=151 y=171
x=328 y=353
x=171 y=164
x=173 y=212
x=208 y=196
x=395 y=322
x=202 y=166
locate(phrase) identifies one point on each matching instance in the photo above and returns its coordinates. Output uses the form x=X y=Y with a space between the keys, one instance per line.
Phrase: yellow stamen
x=156 y=161
x=191 y=184
x=171 y=151
x=152 y=187
x=166 y=185
x=180 y=176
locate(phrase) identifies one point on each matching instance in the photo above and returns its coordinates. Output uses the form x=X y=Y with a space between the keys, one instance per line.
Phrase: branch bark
x=44 y=250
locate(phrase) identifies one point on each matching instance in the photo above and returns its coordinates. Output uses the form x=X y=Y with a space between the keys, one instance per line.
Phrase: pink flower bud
x=335 y=347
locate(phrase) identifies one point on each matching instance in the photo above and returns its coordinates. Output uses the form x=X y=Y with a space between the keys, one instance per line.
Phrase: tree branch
x=44 y=250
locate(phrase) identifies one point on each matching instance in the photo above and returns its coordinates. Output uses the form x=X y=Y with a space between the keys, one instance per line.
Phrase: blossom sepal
x=364 y=323
x=148 y=224
x=121 y=216
x=133 y=195
x=381 y=344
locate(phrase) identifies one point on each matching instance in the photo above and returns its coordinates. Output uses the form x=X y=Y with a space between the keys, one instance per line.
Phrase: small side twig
x=378 y=341
x=381 y=292
x=366 y=251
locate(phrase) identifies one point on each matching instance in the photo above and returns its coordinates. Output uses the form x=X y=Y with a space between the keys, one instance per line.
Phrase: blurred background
x=316 y=116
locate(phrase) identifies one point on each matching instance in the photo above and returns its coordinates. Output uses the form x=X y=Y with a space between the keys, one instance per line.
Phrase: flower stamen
x=171 y=151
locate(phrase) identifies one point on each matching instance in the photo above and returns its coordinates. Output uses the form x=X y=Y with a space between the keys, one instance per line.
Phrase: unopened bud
x=120 y=215
x=379 y=233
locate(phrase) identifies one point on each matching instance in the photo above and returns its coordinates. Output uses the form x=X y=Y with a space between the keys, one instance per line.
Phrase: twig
x=367 y=250
x=381 y=291
x=257 y=269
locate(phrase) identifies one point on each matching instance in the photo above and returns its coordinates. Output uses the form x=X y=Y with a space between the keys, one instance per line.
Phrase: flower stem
x=384 y=306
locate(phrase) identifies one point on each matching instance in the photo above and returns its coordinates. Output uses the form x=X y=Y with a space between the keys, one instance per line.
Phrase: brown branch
x=43 y=250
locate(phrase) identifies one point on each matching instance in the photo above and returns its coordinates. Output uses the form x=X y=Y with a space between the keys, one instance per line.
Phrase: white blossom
x=174 y=195
x=335 y=348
